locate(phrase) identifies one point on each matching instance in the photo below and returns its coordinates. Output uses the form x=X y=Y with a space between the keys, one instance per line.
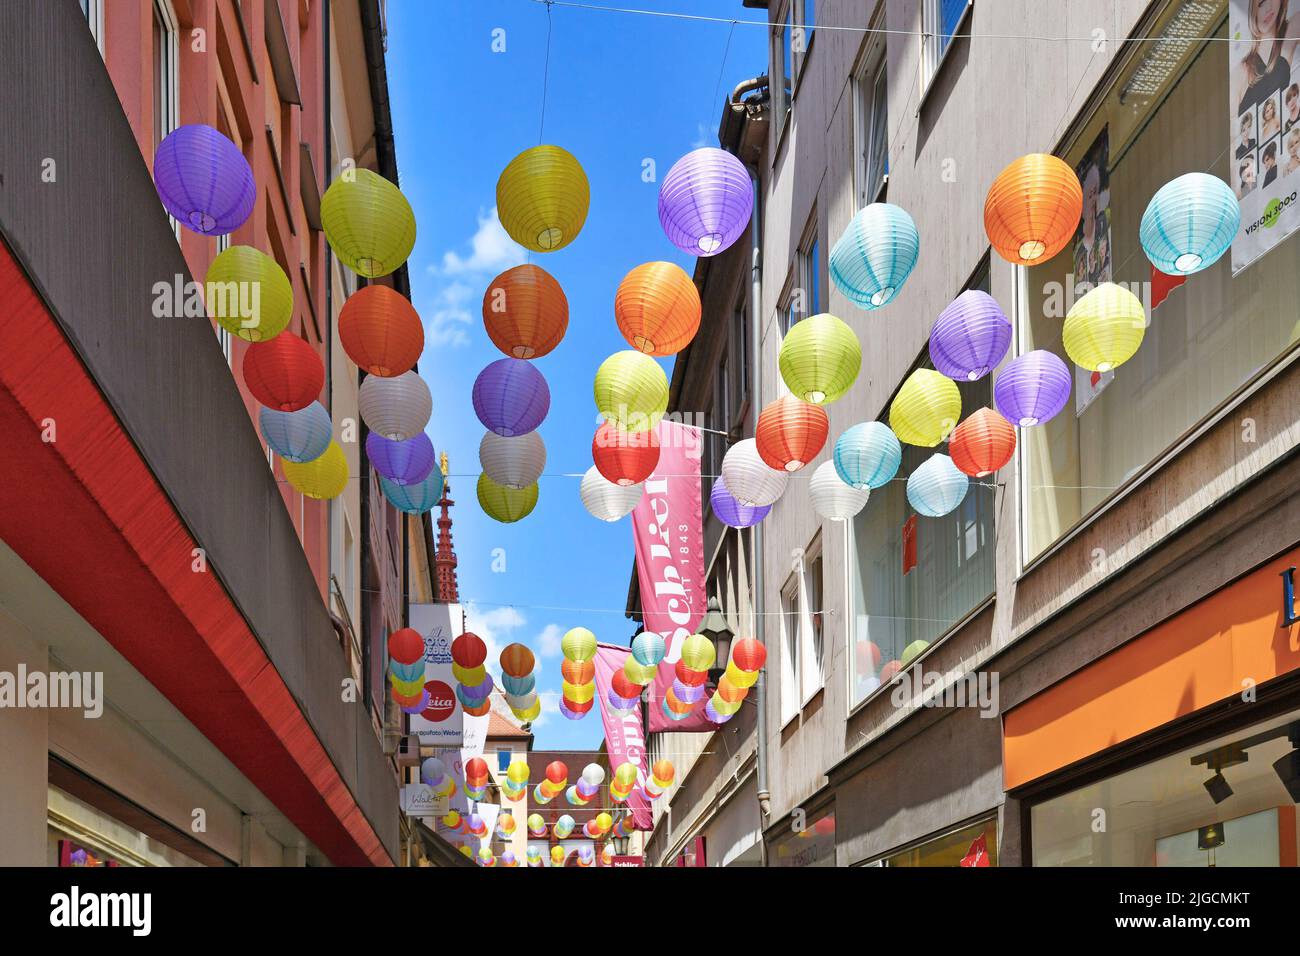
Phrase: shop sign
x=419 y=800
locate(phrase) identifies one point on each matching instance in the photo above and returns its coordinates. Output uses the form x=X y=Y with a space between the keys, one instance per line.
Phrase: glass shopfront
x=812 y=844
x=975 y=845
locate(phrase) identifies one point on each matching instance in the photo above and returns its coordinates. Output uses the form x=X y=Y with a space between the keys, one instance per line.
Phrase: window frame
x=167 y=73
x=812 y=555
x=791 y=679
x=873 y=65
x=780 y=51
x=932 y=57
x=94 y=11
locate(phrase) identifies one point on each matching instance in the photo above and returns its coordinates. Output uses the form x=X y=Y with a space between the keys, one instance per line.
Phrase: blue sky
x=622 y=89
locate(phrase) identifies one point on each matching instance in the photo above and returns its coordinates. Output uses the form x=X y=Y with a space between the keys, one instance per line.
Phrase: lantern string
x=546 y=72
x=726 y=50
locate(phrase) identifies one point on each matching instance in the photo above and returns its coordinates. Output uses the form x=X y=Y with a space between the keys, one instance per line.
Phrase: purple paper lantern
x=705 y=201
x=203 y=180
x=572 y=715
x=1032 y=388
x=511 y=397
x=714 y=716
x=687 y=693
x=406 y=462
x=730 y=511
x=970 y=336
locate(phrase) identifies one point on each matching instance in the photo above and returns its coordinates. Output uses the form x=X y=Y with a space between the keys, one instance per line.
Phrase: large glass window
x=970 y=846
x=941 y=19
x=871 y=85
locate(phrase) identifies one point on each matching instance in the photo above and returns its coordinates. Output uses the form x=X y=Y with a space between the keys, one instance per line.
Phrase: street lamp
x=714 y=627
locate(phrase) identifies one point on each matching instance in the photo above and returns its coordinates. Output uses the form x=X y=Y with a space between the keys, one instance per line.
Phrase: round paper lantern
x=648 y=648
x=381 y=331
x=638 y=673
x=705 y=201
x=414 y=499
x=406 y=646
x=433 y=770
x=284 y=373
x=631 y=391
x=982 y=444
x=515 y=462
x=577 y=693
x=578 y=644
x=790 y=433
x=820 y=359
x=1033 y=208
x=625 y=458
x=511 y=397
x=729 y=692
x=577 y=708
x=517 y=660
x=730 y=511
x=664 y=771
x=749 y=654
x=698 y=652
x=520 y=687
x=1032 y=388
x=505 y=504
x=471 y=675
x=1189 y=223
x=322 y=478
x=624 y=687
x=748 y=478
x=525 y=312
x=605 y=500
x=468 y=650
x=925 y=409
x=297 y=436
x=689 y=694
x=368 y=222
x=936 y=487
x=912 y=651
x=406 y=462
x=867 y=455
x=578 y=672
x=740 y=678
x=542 y=198
x=657 y=308
x=831 y=497
x=248 y=294
x=203 y=180
x=397 y=408
x=690 y=676
x=1104 y=328
x=970 y=337
x=557 y=856
x=725 y=708
x=875 y=255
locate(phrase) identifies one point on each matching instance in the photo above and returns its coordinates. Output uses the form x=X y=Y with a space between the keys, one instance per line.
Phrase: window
x=941 y=19
x=739 y=354
x=783 y=91
x=970 y=846
x=872 y=127
x=224 y=337
x=166 y=79
x=814 y=845
x=803 y=660
x=790 y=309
x=94 y=12
x=791 y=651
x=504 y=755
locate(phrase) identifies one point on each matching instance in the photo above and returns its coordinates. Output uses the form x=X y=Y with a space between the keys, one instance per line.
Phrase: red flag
x=1162 y=285
x=978 y=854
x=909 y=544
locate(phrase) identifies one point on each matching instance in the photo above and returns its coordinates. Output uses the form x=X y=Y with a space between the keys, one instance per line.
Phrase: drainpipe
x=756 y=386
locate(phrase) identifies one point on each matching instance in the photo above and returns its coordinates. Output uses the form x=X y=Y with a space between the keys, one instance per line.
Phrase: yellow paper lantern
x=407 y=688
x=631 y=391
x=1104 y=328
x=542 y=198
x=248 y=294
x=739 y=678
x=578 y=693
x=698 y=652
x=368 y=222
x=578 y=644
x=323 y=477
x=926 y=408
x=504 y=503
x=637 y=672
x=469 y=676
x=724 y=707
x=820 y=359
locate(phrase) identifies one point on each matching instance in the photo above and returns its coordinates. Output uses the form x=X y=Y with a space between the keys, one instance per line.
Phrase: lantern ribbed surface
x=542 y=198
x=1032 y=388
x=748 y=478
x=790 y=433
x=203 y=180
x=657 y=308
x=936 y=487
x=381 y=331
x=970 y=337
x=705 y=201
x=284 y=373
x=397 y=407
x=926 y=408
x=1033 y=208
x=631 y=390
x=623 y=457
x=525 y=312
x=831 y=497
x=606 y=500
x=506 y=505
x=515 y=462
x=414 y=499
x=867 y=455
x=982 y=444
x=875 y=255
x=730 y=511
x=368 y=222
x=820 y=358
x=1189 y=223
x=301 y=435
x=248 y=294
x=406 y=462
x=323 y=477
x=511 y=397
x=1104 y=328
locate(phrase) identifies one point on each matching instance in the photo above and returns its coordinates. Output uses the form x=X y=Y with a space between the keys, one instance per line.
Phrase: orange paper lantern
x=657 y=308
x=982 y=444
x=1033 y=209
x=675 y=705
x=381 y=331
x=730 y=692
x=790 y=433
x=578 y=672
x=517 y=660
x=525 y=312
x=623 y=457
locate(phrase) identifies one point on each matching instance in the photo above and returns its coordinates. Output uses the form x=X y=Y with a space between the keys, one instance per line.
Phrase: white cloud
x=548 y=642
x=550 y=705
x=495 y=628
x=448 y=322
x=704 y=137
x=491 y=250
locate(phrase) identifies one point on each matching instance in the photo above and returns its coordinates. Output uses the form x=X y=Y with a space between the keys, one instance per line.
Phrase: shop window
x=803 y=659
x=871 y=126
x=809 y=844
x=970 y=846
x=940 y=19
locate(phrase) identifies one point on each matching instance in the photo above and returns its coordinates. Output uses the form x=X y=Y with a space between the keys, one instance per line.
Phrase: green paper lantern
x=368 y=222
x=820 y=359
x=631 y=391
x=248 y=294
x=506 y=505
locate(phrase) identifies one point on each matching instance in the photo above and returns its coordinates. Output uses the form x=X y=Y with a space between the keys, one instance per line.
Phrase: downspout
x=756 y=386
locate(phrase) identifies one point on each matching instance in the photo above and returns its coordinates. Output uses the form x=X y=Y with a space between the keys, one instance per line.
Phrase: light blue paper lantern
x=1189 y=223
x=936 y=487
x=648 y=648
x=867 y=455
x=407 y=672
x=875 y=255
x=518 y=686
x=414 y=499
x=299 y=436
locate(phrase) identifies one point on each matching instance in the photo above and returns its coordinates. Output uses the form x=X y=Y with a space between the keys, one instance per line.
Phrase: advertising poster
x=441 y=724
x=624 y=738
x=1092 y=252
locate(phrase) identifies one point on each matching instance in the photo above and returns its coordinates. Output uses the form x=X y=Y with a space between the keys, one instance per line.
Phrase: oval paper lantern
x=578 y=645
x=542 y=198
x=606 y=500
x=631 y=391
x=970 y=337
x=689 y=676
x=1033 y=208
x=982 y=444
x=698 y=652
x=406 y=462
x=368 y=222
x=925 y=409
x=705 y=201
x=517 y=660
x=831 y=497
x=397 y=408
x=248 y=294
x=511 y=397
x=730 y=511
x=748 y=478
x=525 y=312
x=284 y=373
x=203 y=180
x=514 y=462
x=936 y=487
x=1032 y=388
x=506 y=505
x=414 y=499
x=625 y=458
x=1104 y=328
x=381 y=331
x=323 y=477
x=578 y=671
x=406 y=646
x=875 y=255
x=748 y=655
x=648 y=648
x=790 y=433
x=657 y=308
x=1189 y=223
x=297 y=436
x=820 y=359
x=867 y=455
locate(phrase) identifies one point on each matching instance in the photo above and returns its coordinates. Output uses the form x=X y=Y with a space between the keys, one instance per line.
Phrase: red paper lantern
x=468 y=650
x=868 y=656
x=578 y=672
x=579 y=708
x=623 y=687
x=625 y=458
x=689 y=676
x=557 y=772
x=405 y=646
x=476 y=768
x=890 y=671
x=284 y=373
x=981 y=444
x=748 y=654
x=790 y=433
x=525 y=312
x=381 y=331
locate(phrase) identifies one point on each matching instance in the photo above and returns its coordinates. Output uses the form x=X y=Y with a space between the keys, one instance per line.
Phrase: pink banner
x=624 y=738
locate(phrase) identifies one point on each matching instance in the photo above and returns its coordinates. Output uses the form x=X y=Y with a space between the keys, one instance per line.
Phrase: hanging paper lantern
x=867 y=455
x=820 y=359
x=536 y=825
x=468 y=674
x=875 y=255
x=657 y=308
x=698 y=652
x=468 y=650
x=663 y=772
x=688 y=694
x=578 y=644
x=406 y=646
x=739 y=677
x=511 y=397
x=321 y=478
x=638 y=673
x=577 y=693
x=648 y=648
x=925 y=409
x=790 y=433
x=982 y=444
x=297 y=436
x=606 y=500
x=1104 y=328
x=368 y=222
x=625 y=458
x=397 y=408
x=575 y=710
x=542 y=198
x=519 y=686
x=504 y=504
x=749 y=654
x=730 y=511
x=631 y=391
x=406 y=462
x=283 y=373
x=525 y=312
x=705 y=201
x=1033 y=209
x=406 y=672
x=578 y=672
x=831 y=497
x=936 y=487
x=248 y=294
x=1032 y=388
x=414 y=499
x=517 y=660
x=594 y=774
x=624 y=686
x=515 y=462
x=729 y=692
x=203 y=180
x=381 y=331
x=970 y=337
x=748 y=478
x=1189 y=223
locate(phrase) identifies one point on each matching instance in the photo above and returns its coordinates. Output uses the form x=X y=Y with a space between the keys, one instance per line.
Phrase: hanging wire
x=546 y=71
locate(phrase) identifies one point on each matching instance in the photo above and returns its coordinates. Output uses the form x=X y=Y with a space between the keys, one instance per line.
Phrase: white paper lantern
x=937 y=486
x=397 y=407
x=606 y=500
x=831 y=497
x=748 y=478
x=515 y=462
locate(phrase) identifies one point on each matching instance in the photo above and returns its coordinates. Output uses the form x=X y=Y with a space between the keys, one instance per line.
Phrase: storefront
x=809 y=841
x=971 y=845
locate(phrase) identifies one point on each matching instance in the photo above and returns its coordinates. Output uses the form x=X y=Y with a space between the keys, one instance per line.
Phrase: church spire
x=444 y=560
